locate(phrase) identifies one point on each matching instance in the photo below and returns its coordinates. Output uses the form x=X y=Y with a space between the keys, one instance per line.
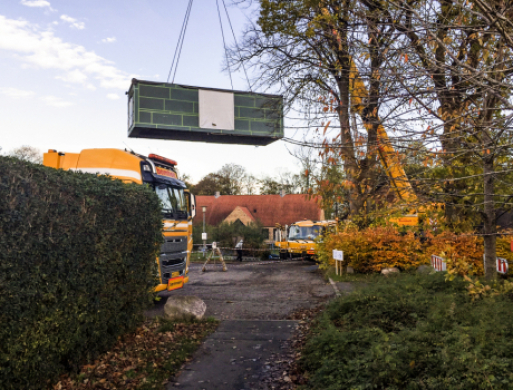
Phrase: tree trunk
x=490 y=228
x=346 y=140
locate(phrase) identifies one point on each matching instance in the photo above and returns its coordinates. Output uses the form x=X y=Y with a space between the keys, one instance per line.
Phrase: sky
x=66 y=65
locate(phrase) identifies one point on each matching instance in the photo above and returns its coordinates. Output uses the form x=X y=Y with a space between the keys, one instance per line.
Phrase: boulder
x=389 y=271
x=425 y=269
x=350 y=270
x=179 y=308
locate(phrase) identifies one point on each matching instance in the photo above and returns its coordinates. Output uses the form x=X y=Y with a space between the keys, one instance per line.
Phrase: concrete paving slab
x=254 y=330
x=235 y=356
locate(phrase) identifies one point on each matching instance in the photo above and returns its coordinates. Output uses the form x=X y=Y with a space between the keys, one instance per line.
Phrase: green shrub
x=226 y=234
x=77 y=264
x=412 y=332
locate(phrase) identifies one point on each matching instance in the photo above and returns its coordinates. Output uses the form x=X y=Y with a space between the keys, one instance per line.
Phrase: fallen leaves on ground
x=282 y=370
x=145 y=359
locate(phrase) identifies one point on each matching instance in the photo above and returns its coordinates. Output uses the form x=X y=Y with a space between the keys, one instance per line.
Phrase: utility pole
x=204 y=235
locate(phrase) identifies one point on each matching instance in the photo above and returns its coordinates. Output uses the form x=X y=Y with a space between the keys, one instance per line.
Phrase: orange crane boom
x=388 y=156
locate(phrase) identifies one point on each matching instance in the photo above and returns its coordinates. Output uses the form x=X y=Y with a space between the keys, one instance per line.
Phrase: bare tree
x=27 y=153
x=269 y=186
x=249 y=184
x=310 y=167
x=290 y=182
x=305 y=49
x=235 y=175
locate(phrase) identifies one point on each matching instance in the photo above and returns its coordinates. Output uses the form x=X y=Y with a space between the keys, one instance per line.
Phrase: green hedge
x=77 y=263
x=226 y=234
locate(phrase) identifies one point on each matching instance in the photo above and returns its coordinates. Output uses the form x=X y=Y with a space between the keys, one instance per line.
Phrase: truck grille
x=174 y=244
x=173 y=256
x=166 y=263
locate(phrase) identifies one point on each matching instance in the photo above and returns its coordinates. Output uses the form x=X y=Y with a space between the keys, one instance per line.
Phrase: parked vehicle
x=160 y=173
x=300 y=241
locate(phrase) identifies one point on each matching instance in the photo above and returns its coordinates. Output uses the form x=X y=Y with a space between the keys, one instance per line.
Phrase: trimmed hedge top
x=77 y=265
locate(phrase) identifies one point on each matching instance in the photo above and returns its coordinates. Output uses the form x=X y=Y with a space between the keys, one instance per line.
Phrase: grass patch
x=143 y=360
x=355 y=277
x=411 y=332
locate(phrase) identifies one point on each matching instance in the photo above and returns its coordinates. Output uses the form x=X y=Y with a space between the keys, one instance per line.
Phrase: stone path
x=253 y=303
x=235 y=356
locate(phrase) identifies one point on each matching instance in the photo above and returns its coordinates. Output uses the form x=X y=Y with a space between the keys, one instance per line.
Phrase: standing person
x=238 y=247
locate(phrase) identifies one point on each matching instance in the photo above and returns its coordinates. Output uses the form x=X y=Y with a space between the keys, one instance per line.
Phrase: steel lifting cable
x=236 y=44
x=224 y=43
x=179 y=44
x=181 y=38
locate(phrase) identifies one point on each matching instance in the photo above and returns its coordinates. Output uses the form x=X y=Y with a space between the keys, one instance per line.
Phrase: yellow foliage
x=457 y=266
x=478 y=290
x=504 y=248
x=453 y=247
x=372 y=249
x=461 y=266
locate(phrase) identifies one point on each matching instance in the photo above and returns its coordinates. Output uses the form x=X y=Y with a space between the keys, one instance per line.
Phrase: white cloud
x=55 y=101
x=16 y=93
x=109 y=40
x=112 y=96
x=36 y=3
x=73 y=22
x=41 y=48
x=75 y=76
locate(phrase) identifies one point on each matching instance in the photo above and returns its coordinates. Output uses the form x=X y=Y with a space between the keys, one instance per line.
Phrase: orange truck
x=160 y=173
x=302 y=236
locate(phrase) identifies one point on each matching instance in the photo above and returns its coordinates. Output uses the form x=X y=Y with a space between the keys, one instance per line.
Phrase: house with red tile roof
x=266 y=209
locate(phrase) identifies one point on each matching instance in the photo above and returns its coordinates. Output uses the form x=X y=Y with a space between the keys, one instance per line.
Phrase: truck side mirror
x=192 y=200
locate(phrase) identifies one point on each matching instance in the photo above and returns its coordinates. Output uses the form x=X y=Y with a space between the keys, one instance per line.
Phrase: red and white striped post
x=501 y=264
x=438 y=263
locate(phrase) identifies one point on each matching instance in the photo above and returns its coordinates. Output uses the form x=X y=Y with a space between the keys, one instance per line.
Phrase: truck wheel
x=283 y=255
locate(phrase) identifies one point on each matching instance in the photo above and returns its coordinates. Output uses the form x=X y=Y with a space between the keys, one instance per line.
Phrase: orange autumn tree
x=304 y=48
x=437 y=73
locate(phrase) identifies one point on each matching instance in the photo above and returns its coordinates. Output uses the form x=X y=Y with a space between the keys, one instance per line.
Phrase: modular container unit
x=179 y=112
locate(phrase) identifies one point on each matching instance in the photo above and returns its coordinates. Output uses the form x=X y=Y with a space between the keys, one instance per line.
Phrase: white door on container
x=216 y=110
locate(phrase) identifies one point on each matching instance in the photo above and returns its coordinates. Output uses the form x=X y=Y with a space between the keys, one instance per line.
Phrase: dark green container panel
x=171 y=111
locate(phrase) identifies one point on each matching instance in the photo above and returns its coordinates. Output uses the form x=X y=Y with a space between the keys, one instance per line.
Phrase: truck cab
x=160 y=173
x=301 y=238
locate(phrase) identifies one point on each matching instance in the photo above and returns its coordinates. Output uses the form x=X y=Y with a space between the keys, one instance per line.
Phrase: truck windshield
x=173 y=200
x=304 y=232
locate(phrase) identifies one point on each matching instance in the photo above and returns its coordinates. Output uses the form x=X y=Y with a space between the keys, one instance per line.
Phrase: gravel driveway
x=252 y=291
